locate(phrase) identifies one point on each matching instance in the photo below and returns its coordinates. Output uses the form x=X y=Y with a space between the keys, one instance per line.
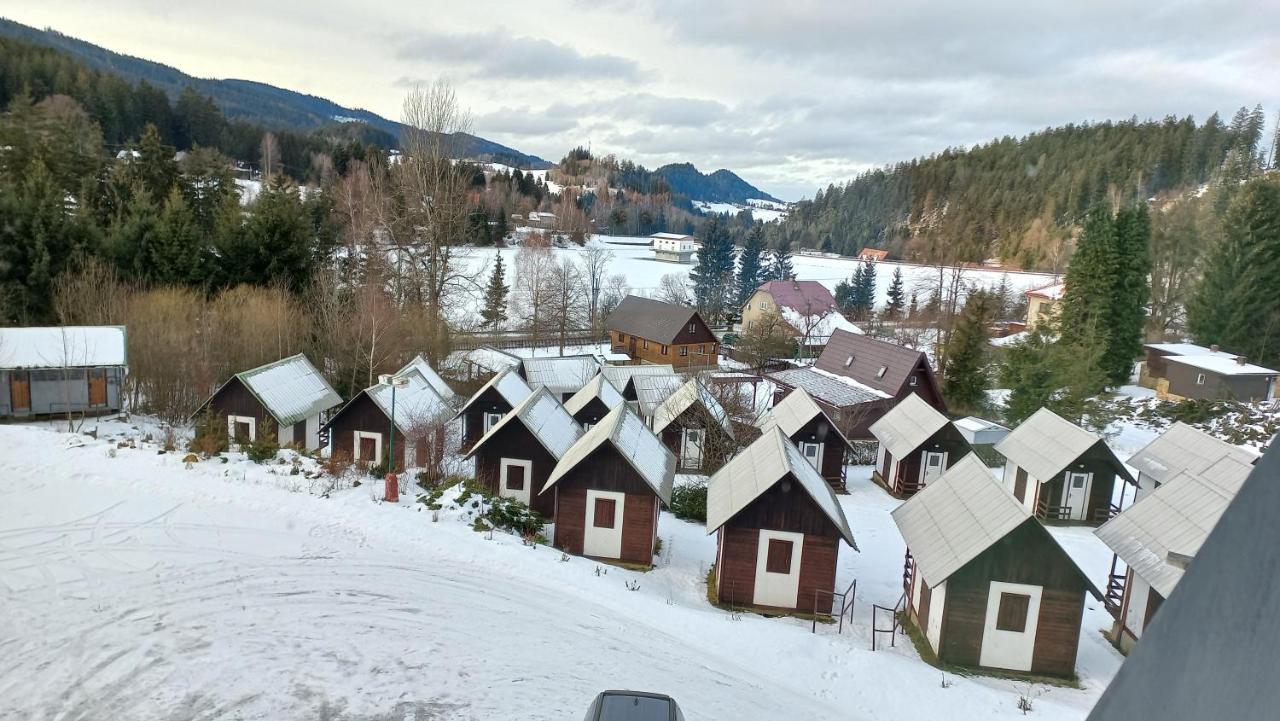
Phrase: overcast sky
x=790 y=95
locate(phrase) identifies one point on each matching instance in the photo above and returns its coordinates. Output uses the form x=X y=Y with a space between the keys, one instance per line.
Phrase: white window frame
x=1200 y=379
x=913 y=381
x=524 y=496
x=231 y=427
x=357 y=436
x=491 y=419
x=816 y=460
x=685 y=444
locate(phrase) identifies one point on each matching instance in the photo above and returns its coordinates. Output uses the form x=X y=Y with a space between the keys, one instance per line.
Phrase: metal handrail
x=893 y=614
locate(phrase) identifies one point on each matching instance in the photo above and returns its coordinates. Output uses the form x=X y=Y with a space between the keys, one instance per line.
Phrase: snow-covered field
x=136 y=587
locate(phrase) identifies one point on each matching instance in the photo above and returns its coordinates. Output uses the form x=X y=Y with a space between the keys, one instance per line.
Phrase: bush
x=260 y=449
x=512 y=515
x=690 y=502
x=210 y=435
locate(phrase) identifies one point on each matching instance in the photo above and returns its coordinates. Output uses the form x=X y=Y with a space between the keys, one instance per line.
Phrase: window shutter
x=1012 y=615
x=778 y=558
x=605 y=508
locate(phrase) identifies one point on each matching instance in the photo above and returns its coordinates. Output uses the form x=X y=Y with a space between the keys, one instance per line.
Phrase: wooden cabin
x=1205 y=377
x=623 y=377
x=608 y=490
x=485 y=362
x=589 y=405
x=434 y=379
x=985 y=583
x=1158 y=536
x=652 y=391
x=515 y=457
x=692 y=423
x=287 y=399
x=1061 y=472
x=651 y=331
x=917 y=445
x=362 y=430
x=813 y=432
x=490 y=403
x=562 y=375
x=61 y=370
x=778 y=529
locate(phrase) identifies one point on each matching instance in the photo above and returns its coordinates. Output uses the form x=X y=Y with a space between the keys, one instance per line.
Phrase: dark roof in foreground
x=650 y=319
x=1212 y=652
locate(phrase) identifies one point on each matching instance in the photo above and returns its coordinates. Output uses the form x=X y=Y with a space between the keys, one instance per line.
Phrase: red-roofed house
x=805 y=306
x=873 y=254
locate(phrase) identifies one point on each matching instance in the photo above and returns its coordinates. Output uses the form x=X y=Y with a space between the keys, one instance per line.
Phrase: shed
x=917 y=444
x=694 y=425
x=490 y=403
x=361 y=430
x=594 y=401
x=986 y=583
x=1182 y=448
x=652 y=390
x=814 y=433
x=61 y=369
x=1061 y=472
x=486 y=361
x=608 y=490
x=980 y=431
x=778 y=528
x=1154 y=369
x=562 y=375
x=287 y=400
x=429 y=374
x=1214 y=377
x=623 y=377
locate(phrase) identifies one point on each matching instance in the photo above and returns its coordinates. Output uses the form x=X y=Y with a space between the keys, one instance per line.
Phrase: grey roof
x=794 y=412
x=1046 y=443
x=955 y=518
x=1179 y=348
x=291 y=389
x=839 y=392
x=621 y=376
x=1212 y=653
x=875 y=363
x=758 y=468
x=693 y=391
x=1183 y=448
x=1222 y=364
x=597 y=387
x=423 y=368
x=491 y=359
x=650 y=319
x=544 y=417
x=980 y=431
x=633 y=440
x=652 y=390
x=417 y=405
x=508 y=384
x=560 y=374
x=907 y=425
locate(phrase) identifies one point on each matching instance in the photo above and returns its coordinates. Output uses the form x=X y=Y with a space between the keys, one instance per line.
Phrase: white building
x=672 y=247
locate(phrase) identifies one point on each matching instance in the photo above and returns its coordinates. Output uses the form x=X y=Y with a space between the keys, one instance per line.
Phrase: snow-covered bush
x=689 y=501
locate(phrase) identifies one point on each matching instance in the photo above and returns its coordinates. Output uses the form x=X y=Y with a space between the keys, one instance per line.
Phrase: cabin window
x=693 y=327
x=1012 y=615
x=664 y=350
x=848 y=361
x=778 y=559
x=646 y=345
x=1020 y=485
x=764 y=305
x=491 y=419
x=1199 y=379
x=751 y=324
x=913 y=381
x=684 y=350
x=702 y=349
x=604 y=512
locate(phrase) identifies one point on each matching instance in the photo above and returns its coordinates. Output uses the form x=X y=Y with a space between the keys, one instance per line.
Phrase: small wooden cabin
x=692 y=423
x=1061 y=472
x=562 y=375
x=623 y=377
x=593 y=402
x=986 y=584
x=778 y=529
x=814 y=433
x=609 y=488
x=61 y=369
x=361 y=430
x=288 y=399
x=652 y=391
x=490 y=403
x=1182 y=448
x=515 y=457
x=1204 y=377
x=917 y=445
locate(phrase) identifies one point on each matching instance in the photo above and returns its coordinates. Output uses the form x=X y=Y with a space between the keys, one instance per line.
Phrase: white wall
x=777 y=589
x=937 y=602
x=1033 y=485
x=603 y=542
x=1146 y=484
x=313 y=433
x=284 y=436
x=1135 y=612
x=1011 y=650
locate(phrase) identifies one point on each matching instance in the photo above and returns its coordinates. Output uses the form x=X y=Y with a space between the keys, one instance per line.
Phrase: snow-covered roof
x=828 y=387
x=757 y=469
x=1183 y=448
x=544 y=417
x=693 y=391
x=907 y=425
x=633 y=440
x=597 y=387
x=1182 y=349
x=1173 y=519
x=63 y=346
x=417 y=405
x=653 y=390
x=817 y=328
x=491 y=359
x=508 y=384
x=291 y=389
x=793 y=413
x=560 y=374
x=671 y=236
x=620 y=376
x=980 y=431
x=1222 y=364
x=1053 y=291
x=424 y=369
x=1046 y=443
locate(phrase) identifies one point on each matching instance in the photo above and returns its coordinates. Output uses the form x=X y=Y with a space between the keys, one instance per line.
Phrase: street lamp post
x=392 y=493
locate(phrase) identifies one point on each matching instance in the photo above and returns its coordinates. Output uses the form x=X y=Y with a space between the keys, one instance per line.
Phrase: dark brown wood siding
x=606 y=470
x=515 y=441
x=695 y=417
x=592 y=412
x=1098 y=462
x=1182 y=382
x=819 y=430
x=473 y=418
x=234 y=399
x=947 y=440
x=362 y=414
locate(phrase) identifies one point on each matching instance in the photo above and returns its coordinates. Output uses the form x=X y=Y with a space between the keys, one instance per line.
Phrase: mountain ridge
x=719 y=186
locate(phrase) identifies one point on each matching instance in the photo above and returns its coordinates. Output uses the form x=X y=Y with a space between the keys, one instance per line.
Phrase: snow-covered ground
x=134 y=586
x=765 y=211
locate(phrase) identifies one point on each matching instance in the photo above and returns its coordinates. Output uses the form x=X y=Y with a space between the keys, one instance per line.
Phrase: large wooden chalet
x=695 y=426
x=490 y=403
x=814 y=433
x=1061 y=472
x=917 y=444
x=650 y=331
x=778 y=529
x=985 y=582
x=414 y=414
x=284 y=401
x=608 y=490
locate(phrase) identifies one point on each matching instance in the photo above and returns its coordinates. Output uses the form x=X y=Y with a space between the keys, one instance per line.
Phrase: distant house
x=1158 y=536
x=1061 y=472
x=69 y=369
x=987 y=585
x=515 y=457
x=363 y=429
x=623 y=377
x=673 y=247
x=562 y=375
x=594 y=401
x=1044 y=302
x=609 y=488
x=651 y=331
x=778 y=529
x=873 y=254
x=485 y=361
x=694 y=425
x=806 y=309
x=816 y=436
x=1204 y=377
x=917 y=445
x=285 y=400
x=489 y=404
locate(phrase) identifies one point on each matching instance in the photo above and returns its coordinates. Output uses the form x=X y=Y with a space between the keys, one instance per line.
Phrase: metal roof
x=760 y=466
x=1180 y=348
x=291 y=389
x=424 y=369
x=650 y=319
x=794 y=412
x=508 y=384
x=417 y=405
x=633 y=440
x=980 y=431
x=560 y=374
x=621 y=376
x=693 y=391
x=63 y=346
x=544 y=417
x=1222 y=364
x=907 y=425
x=652 y=390
x=874 y=363
x=1046 y=443
x=491 y=359
x=839 y=392
x=1183 y=448
x=597 y=387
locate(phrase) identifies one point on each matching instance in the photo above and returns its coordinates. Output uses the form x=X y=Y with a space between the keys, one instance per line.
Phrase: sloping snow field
x=134 y=587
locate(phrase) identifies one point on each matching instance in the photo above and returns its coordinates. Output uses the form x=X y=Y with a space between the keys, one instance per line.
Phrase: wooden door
x=515 y=479
x=97 y=386
x=368 y=449
x=20 y=390
x=602 y=534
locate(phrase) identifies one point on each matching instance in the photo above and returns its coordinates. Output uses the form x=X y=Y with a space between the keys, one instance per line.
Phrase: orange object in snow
x=393 y=489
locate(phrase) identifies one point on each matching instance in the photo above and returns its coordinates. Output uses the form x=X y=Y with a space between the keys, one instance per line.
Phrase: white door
x=1075 y=495
x=812 y=453
x=602 y=536
x=691 y=448
x=931 y=466
x=1009 y=635
x=778 y=569
x=515 y=476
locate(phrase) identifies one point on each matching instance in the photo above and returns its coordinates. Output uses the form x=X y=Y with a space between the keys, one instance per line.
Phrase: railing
x=907 y=563
x=1106 y=513
x=907 y=487
x=1049 y=512
x=877 y=610
x=846 y=604
x=524 y=340
x=1115 y=588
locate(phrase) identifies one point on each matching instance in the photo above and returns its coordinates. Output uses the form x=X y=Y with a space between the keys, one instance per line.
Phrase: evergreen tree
x=1091 y=280
x=781 y=268
x=274 y=245
x=865 y=290
x=173 y=253
x=844 y=295
x=913 y=308
x=208 y=187
x=494 y=312
x=965 y=376
x=896 y=297
x=751 y=270
x=154 y=169
x=712 y=275
x=1131 y=292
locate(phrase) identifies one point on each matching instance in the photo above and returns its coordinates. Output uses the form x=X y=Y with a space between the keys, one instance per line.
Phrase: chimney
x=1241 y=360
x=1213 y=348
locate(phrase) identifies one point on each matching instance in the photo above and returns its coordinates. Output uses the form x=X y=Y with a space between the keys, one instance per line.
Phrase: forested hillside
x=1021 y=199
x=722 y=186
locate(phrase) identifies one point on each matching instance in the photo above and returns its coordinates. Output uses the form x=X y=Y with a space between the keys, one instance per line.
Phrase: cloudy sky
x=791 y=95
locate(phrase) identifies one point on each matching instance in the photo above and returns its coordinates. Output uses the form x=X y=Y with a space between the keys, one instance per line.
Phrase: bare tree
x=270 y=156
x=595 y=264
x=91 y=295
x=674 y=289
x=566 y=296
x=615 y=289
x=530 y=299
x=766 y=338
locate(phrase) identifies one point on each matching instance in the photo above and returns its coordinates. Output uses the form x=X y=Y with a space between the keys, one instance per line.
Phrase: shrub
x=210 y=435
x=512 y=515
x=260 y=449
x=690 y=502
